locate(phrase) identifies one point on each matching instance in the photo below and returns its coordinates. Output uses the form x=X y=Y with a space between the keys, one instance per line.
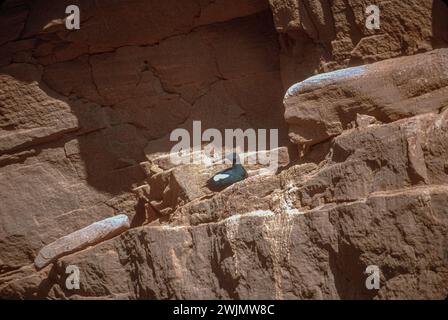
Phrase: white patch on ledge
x=232 y=219
x=327 y=77
x=169 y=227
x=256 y=213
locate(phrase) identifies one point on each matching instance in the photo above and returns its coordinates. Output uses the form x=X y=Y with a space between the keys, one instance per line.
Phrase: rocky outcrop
x=79 y=111
x=313 y=238
x=327 y=104
x=85 y=118
x=22 y=100
x=318 y=36
x=78 y=240
x=170 y=187
x=375 y=194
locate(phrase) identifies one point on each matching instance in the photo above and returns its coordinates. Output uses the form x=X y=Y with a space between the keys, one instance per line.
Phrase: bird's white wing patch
x=220 y=176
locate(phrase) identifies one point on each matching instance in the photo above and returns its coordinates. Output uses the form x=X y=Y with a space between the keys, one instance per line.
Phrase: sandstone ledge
x=78 y=240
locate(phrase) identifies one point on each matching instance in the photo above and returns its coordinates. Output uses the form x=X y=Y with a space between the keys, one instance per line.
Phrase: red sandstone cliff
x=85 y=118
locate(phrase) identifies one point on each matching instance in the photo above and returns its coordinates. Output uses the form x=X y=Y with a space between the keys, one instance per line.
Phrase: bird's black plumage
x=229 y=176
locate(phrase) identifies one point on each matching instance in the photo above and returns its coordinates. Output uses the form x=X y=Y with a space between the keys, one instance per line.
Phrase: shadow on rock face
x=74 y=130
x=115 y=122
x=107 y=139
x=440 y=23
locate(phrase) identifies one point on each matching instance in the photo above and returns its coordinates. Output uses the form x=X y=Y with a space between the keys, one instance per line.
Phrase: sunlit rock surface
x=388 y=90
x=85 y=122
x=80 y=239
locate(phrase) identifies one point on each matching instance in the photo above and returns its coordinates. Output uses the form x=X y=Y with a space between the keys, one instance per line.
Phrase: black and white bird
x=229 y=176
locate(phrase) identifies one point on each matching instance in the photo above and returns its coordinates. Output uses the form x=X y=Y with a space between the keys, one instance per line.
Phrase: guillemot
x=228 y=176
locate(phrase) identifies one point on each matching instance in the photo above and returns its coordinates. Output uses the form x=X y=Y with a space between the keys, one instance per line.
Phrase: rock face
x=85 y=119
x=80 y=110
x=78 y=240
x=322 y=35
x=388 y=90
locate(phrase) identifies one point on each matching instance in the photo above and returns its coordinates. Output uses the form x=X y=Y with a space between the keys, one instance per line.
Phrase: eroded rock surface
x=80 y=239
x=79 y=111
x=321 y=35
x=85 y=118
x=325 y=105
